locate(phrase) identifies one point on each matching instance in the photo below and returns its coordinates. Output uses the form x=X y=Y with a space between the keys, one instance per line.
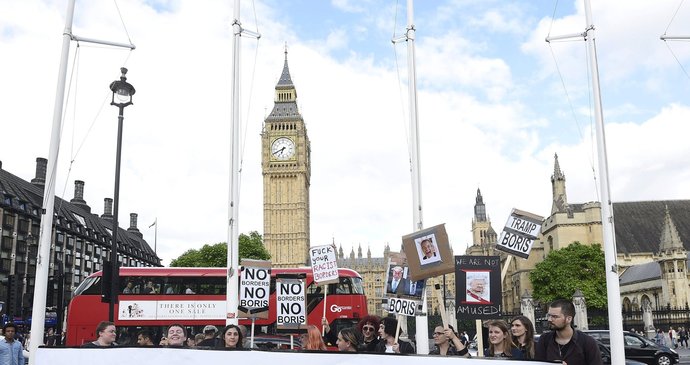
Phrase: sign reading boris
x=324 y=264
x=519 y=233
x=406 y=307
x=291 y=304
x=255 y=289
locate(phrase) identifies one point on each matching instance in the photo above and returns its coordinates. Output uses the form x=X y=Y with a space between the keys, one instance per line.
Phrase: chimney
x=78 y=199
x=107 y=209
x=41 y=168
x=133 y=225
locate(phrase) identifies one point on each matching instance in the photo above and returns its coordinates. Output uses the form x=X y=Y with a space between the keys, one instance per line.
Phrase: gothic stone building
x=81 y=241
x=652 y=239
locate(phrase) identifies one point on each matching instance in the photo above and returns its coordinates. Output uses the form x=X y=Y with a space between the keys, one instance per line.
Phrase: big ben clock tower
x=286 y=169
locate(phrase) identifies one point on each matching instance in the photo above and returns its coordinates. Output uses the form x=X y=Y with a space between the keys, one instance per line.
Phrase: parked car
x=276 y=342
x=639 y=348
x=606 y=355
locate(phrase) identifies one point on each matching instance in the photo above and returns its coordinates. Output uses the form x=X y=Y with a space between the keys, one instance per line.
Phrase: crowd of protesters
x=504 y=340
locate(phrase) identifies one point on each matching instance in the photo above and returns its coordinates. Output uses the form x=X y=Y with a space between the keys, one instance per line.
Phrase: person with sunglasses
x=368 y=327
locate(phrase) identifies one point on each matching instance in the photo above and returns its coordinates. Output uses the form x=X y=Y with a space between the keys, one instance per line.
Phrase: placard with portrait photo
x=428 y=253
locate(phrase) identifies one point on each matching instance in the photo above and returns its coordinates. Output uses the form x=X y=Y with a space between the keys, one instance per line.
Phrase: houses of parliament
x=652 y=237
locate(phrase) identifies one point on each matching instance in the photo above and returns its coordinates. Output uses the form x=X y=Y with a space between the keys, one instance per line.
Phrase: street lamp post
x=122 y=97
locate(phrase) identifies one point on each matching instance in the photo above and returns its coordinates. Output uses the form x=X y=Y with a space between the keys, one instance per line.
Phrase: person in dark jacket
x=448 y=343
x=387 y=342
x=369 y=326
x=564 y=343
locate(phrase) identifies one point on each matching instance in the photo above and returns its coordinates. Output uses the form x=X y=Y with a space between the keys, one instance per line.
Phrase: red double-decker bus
x=205 y=290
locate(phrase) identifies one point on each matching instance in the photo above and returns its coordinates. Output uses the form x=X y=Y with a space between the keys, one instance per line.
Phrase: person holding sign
x=447 y=343
x=500 y=342
x=231 y=337
x=388 y=331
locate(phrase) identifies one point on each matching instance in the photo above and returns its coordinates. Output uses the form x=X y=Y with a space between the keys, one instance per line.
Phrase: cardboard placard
x=428 y=253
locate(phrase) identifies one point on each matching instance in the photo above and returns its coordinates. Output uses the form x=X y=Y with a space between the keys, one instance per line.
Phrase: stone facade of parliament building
x=652 y=237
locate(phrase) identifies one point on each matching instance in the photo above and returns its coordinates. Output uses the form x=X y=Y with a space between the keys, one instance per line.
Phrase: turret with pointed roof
x=560 y=199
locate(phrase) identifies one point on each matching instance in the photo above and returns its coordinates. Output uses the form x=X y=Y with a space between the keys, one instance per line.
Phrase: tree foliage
x=216 y=255
x=574 y=267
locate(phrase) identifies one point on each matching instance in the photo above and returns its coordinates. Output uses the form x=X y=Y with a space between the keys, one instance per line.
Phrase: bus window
x=90 y=285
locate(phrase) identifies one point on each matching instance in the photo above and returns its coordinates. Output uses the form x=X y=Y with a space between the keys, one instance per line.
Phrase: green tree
x=574 y=267
x=216 y=255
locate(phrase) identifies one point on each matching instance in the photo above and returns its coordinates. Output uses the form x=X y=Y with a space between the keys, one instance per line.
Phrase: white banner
x=167 y=356
x=324 y=264
x=130 y=310
x=291 y=304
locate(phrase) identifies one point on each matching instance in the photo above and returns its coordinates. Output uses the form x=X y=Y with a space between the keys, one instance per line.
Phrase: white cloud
x=483 y=122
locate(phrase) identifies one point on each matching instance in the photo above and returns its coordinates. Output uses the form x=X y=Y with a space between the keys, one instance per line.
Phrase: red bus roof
x=209 y=271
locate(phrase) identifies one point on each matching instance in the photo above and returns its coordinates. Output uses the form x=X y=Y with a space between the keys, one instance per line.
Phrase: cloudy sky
x=496 y=102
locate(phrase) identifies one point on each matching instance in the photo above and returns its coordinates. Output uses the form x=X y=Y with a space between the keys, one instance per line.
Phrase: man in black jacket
x=564 y=343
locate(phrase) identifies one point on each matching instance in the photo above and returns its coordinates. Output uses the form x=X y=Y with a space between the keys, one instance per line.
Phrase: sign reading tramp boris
x=324 y=264
x=519 y=233
x=255 y=289
x=478 y=287
x=291 y=304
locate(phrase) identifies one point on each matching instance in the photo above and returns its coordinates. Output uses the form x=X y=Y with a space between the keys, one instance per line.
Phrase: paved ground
x=684 y=355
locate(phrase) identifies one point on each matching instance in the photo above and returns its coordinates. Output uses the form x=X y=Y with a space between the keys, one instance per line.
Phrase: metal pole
x=612 y=284
x=421 y=322
x=116 y=206
x=43 y=259
x=232 y=300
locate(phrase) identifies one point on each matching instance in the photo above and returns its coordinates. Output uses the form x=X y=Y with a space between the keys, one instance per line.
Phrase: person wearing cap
x=210 y=339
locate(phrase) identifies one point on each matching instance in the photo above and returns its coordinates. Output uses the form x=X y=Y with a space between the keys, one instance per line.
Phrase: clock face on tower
x=283 y=148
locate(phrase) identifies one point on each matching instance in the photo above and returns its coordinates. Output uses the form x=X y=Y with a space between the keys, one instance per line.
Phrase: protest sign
x=428 y=253
x=255 y=289
x=478 y=287
x=324 y=264
x=519 y=233
x=291 y=304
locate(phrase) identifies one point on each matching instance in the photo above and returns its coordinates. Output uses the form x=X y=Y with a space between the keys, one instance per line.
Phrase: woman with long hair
x=313 y=339
x=500 y=342
x=522 y=330
x=231 y=337
x=387 y=343
x=349 y=340
x=368 y=326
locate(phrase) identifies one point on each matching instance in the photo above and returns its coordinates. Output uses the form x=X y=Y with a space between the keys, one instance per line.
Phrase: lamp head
x=122 y=90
